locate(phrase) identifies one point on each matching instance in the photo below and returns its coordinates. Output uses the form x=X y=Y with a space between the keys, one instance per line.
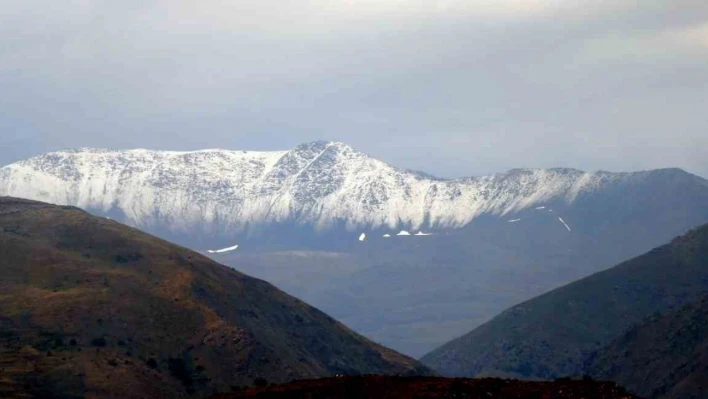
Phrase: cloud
x=450 y=87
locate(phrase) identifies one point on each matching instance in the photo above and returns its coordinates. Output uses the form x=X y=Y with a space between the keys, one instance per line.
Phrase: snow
x=540 y=207
x=221 y=251
x=362 y=237
x=387 y=236
x=316 y=184
x=513 y=220
x=420 y=233
x=403 y=233
x=564 y=223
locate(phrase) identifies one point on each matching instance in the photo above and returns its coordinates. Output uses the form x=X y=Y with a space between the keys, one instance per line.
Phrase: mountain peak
x=323 y=145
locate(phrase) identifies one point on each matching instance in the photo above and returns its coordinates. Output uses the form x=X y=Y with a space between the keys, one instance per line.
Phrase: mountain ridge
x=323 y=185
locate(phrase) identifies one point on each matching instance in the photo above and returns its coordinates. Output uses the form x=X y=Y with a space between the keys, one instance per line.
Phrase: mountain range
x=351 y=222
x=325 y=186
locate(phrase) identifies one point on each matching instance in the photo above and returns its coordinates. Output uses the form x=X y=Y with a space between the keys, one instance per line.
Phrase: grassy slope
x=91 y=307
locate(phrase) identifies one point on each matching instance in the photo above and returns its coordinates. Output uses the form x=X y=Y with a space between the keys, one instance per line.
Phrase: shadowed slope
x=551 y=335
x=664 y=357
x=91 y=307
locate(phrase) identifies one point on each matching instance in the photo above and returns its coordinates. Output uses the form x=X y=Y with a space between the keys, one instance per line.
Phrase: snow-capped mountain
x=321 y=184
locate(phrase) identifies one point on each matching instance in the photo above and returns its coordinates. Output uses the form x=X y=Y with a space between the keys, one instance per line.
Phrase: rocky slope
x=92 y=308
x=666 y=356
x=554 y=334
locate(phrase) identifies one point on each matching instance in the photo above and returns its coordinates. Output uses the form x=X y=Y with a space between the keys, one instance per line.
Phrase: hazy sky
x=449 y=87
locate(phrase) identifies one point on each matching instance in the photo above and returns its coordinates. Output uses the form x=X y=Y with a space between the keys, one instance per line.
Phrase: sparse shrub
x=152 y=363
x=127 y=258
x=178 y=368
x=260 y=382
x=99 y=342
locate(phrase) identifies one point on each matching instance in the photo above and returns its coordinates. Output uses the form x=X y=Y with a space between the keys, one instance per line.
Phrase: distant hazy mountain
x=664 y=357
x=496 y=240
x=92 y=308
x=556 y=333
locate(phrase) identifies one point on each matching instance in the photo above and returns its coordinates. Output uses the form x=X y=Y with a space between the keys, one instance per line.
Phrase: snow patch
x=220 y=251
x=564 y=223
x=513 y=220
x=540 y=207
x=362 y=237
x=420 y=233
x=387 y=236
x=403 y=233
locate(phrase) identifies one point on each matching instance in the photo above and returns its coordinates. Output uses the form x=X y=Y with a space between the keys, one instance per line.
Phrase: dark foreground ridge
x=92 y=308
x=374 y=387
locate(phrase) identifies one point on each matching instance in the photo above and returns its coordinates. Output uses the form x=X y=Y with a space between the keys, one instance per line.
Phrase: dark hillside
x=90 y=307
x=551 y=335
x=664 y=357
x=379 y=387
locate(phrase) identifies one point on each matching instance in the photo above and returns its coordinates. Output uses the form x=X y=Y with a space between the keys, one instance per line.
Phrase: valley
x=360 y=199
x=296 y=218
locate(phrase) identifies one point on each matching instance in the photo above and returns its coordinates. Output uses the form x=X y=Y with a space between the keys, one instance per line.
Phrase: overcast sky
x=452 y=87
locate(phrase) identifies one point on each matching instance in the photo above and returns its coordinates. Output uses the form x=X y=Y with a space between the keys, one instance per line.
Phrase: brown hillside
x=375 y=387
x=92 y=308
